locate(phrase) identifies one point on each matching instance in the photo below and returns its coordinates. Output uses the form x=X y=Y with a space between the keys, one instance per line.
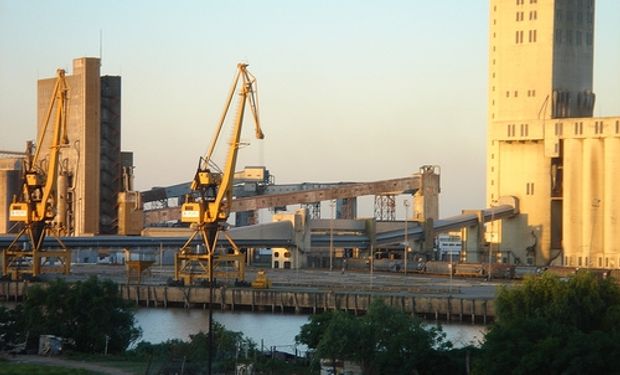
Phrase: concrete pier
x=445 y=308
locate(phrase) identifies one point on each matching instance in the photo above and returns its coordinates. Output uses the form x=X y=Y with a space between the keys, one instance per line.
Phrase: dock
x=441 y=308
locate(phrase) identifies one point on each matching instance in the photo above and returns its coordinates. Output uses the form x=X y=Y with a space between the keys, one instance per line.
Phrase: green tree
x=384 y=341
x=554 y=326
x=88 y=313
x=230 y=347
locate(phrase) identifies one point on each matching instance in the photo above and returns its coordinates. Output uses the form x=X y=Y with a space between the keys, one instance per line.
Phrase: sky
x=348 y=90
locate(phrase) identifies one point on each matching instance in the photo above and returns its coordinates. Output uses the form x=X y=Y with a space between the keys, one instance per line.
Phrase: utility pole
x=406 y=251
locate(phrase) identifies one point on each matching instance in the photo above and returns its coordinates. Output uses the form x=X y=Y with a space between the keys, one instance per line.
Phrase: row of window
x=573 y=37
x=609 y=262
x=574 y=18
x=533 y=15
x=530 y=93
x=522 y=2
x=532 y=36
x=599 y=127
x=511 y=130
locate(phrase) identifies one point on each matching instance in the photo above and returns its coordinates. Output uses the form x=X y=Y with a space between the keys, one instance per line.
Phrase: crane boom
x=37 y=207
x=208 y=207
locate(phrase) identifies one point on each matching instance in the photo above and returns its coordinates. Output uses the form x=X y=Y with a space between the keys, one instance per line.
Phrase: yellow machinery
x=261 y=281
x=208 y=207
x=37 y=206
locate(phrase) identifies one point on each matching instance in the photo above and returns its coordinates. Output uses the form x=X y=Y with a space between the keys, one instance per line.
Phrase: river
x=277 y=330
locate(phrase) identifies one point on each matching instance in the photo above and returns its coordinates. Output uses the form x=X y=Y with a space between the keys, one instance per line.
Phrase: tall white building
x=544 y=146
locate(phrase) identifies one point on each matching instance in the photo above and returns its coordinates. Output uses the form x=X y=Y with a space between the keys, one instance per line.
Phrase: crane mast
x=208 y=208
x=37 y=206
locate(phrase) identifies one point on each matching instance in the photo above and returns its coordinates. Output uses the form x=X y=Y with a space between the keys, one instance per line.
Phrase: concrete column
x=426 y=199
x=592 y=201
x=611 y=207
x=473 y=237
x=572 y=212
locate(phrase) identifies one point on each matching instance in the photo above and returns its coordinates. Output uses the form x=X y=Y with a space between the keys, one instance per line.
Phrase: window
x=508 y=94
x=558 y=128
x=578 y=38
x=578 y=128
x=516 y=93
x=519 y=36
x=579 y=261
x=558 y=36
x=511 y=130
x=598 y=127
x=617 y=126
x=276 y=254
x=529 y=188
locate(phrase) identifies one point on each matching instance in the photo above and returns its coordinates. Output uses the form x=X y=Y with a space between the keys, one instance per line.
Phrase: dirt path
x=54 y=361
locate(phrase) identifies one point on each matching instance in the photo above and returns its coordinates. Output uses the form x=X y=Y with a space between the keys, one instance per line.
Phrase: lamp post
x=406 y=251
x=332 y=203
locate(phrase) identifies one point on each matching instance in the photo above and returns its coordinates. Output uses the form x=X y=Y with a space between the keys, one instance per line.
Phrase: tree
x=89 y=314
x=554 y=326
x=384 y=341
x=192 y=355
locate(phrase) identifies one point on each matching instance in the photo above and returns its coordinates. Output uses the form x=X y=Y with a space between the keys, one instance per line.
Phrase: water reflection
x=278 y=330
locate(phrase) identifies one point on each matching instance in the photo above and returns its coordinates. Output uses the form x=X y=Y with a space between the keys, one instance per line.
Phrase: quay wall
x=290 y=300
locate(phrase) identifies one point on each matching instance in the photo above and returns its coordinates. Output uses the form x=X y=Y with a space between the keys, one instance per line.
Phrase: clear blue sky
x=349 y=90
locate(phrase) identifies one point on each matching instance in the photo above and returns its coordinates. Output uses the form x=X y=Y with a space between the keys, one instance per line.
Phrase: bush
x=84 y=314
x=554 y=326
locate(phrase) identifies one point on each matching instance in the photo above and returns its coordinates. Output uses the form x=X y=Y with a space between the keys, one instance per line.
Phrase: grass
x=133 y=365
x=30 y=369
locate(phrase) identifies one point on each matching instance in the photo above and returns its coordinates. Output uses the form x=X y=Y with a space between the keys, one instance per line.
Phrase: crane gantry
x=207 y=208
x=37 y=206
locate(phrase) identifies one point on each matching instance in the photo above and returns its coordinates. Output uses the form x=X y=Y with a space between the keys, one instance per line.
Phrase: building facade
x=90 y=176
x=544 y=146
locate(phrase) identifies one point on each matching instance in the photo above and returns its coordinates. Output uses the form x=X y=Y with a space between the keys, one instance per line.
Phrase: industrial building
x=93 y=174
x=544 y=146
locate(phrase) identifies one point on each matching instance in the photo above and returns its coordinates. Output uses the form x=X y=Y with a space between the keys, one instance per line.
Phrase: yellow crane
x=208 y=207
x=37 y=206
